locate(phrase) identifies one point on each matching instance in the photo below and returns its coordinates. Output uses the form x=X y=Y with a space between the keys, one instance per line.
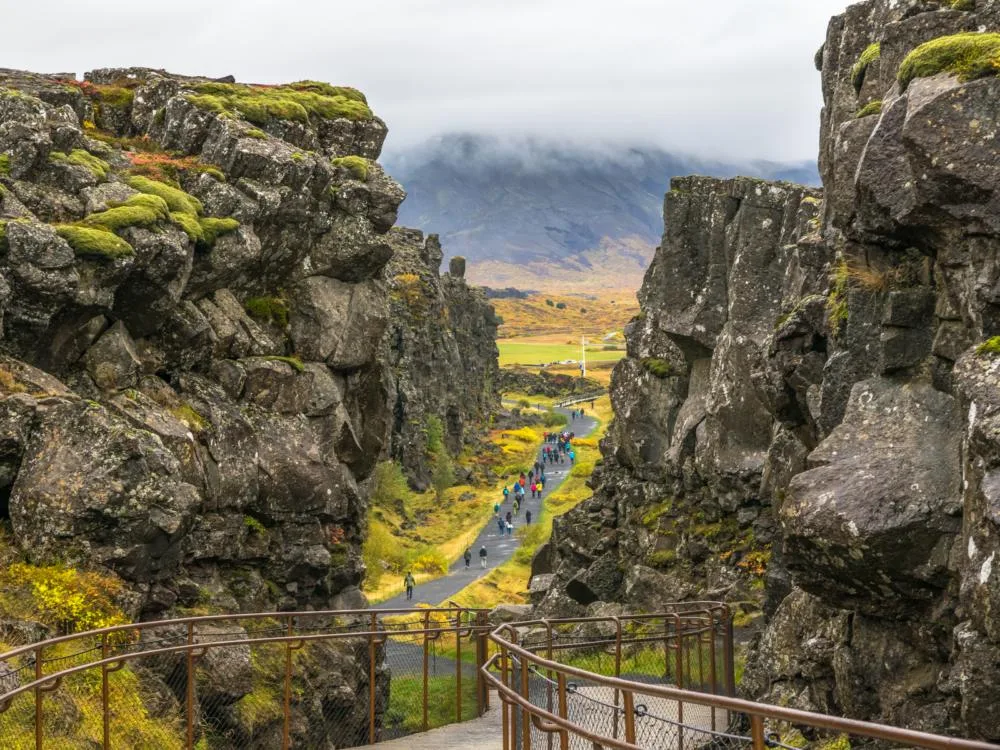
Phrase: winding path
x=500 y=548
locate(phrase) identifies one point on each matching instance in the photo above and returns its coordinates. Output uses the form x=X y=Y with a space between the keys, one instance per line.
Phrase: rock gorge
x=206 y=347
x=812 y=388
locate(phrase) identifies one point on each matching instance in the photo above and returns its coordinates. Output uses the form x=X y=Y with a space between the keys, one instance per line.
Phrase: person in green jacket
x=409 y=583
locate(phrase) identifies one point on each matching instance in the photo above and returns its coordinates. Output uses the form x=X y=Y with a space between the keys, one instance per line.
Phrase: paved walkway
x=484 y=733
x=500 y=548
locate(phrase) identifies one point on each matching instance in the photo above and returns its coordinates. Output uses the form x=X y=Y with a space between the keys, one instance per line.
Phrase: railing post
x=618 y=673
x=730 y=662
x=105 y=695
x=287 y=701
x=504 y=705
x=458 y=666
x=525 y=714
x=548 y=673
x=680 y=679
x=427 y=625
x=38 y=699
x=630 y=717
x=189 y=690
x=757 y=732
x=712 y=671
x=482 y=655
x=563 y=711
x=371 y=678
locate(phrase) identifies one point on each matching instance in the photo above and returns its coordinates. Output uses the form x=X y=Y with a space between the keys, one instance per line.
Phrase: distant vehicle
x=568 y=362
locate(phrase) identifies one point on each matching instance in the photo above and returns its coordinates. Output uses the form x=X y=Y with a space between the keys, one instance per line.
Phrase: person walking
x=468 y=556
x=517 y=507
x=506 y=493
x=496 y=509
x=500 y=523
x=510 y=529
x=572 y=456
x=482 y=556
x=527 y=517
x=409 y=583
x=509 y=516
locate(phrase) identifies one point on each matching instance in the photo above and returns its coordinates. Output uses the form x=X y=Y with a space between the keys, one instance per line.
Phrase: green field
x=520 y=352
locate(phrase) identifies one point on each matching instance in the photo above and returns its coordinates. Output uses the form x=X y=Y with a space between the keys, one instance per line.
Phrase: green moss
x=659 y=368
x=213 y=228
x=357 y=165
x=268 y=309
x=260 y=135
x=871 y=108
x=96 y=243
x=80 y=158
x=191 y=417
x=968 y=56
x=663 y=558
x=651 y=516
x=190 y=225
x=842 y=742
x=298 y=156
x=963 y=4
x=295 y=362
x=254 y=526
x=262 y=104
x=118 y=97
x=4 y=165
x=872 y=53
x=3 y=236
x=810 y=200
x=836 y=302
x=176 y=199
x=989 y=347
x=118 y=218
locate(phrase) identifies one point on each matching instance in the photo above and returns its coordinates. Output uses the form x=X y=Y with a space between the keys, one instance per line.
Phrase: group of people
x=557 y=445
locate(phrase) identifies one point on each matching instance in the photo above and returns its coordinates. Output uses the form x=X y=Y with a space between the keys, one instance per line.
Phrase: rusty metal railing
x=302 y=679
x=654 y=681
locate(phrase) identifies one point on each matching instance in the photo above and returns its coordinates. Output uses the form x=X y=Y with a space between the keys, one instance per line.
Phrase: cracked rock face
x=806 y=387
x=199 y=410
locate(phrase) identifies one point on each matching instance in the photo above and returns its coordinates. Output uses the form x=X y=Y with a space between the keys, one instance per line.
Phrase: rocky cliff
x=819 y=384
x=440 y=345
x=191 y=315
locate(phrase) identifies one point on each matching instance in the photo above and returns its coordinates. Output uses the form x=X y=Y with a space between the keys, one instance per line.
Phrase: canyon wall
x=811 y=391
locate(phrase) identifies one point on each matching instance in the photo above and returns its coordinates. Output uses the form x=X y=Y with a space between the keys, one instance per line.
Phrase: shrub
x=357 y=165
x=434 y=431
x=560 y=305
x=554 y=419
x=166 y=168
x=550 y=303
x=80 y=158
x=872 y=53
x=969 y=56
x=213 y=228
x=268 y=309
x=659 y=368
x=98 y=243
x=389 y=485
x=61 y=597
x=442 y=473
x=175 y=198
x=871 y=108
x=430 y=561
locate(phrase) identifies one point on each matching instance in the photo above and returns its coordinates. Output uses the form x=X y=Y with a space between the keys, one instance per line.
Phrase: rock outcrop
x=440 y=346
x=815 y=386
x=191 y=393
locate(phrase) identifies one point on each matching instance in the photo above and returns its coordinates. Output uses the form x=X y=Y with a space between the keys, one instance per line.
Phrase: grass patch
x=268 y=310
x=80 y=158
x=969 y=56
x=358 y=166
x=871 y=108
x=544 y=350
x=4 y=165
x=406 y=695
x=299 y=102
x=95 y=243
x=872 y=53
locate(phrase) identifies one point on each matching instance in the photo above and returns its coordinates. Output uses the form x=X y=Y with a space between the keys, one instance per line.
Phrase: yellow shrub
x=61 y=597
x=431 y=561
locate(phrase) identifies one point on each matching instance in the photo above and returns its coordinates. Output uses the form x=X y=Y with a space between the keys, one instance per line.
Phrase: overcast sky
x=727 y=78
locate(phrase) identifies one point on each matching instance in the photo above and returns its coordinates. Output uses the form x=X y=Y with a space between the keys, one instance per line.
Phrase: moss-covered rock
x=969 y=56
x=94 y=243
x=212 y=228
x=357 y=166
x=263 y=104
x=871 y=108
x=175 y=198
x=872 y=53
x=80 y=158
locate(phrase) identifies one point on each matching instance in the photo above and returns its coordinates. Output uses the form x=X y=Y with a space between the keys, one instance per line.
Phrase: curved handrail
x=509 y=648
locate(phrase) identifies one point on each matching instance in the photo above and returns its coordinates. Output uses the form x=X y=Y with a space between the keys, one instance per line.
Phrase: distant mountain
x=537 y=202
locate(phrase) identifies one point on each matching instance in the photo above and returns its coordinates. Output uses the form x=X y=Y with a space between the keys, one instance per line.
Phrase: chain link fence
x=305 y=680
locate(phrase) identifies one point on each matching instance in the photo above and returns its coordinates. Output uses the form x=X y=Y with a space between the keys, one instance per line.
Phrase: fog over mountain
x=532 y=200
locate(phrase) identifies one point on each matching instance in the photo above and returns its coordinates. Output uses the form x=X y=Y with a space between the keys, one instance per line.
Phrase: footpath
x=499 y=548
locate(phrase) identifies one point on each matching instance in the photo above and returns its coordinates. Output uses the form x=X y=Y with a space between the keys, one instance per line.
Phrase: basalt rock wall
x=191 y=393
x=440 y=346
x=818 y=396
